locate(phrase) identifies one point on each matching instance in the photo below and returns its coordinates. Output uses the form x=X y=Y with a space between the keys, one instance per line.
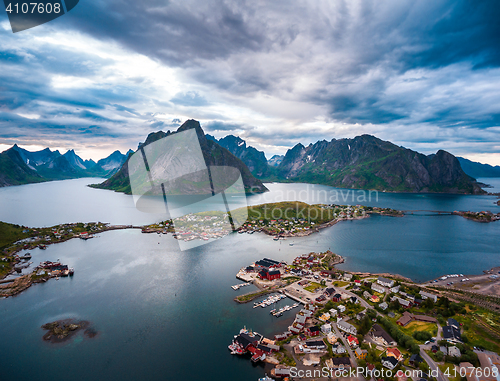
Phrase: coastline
x=39 y=237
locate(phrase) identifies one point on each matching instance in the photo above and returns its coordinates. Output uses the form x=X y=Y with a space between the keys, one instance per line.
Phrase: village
x=387 y=326
x=483 y=216
x=12 y=261
x=280 y=220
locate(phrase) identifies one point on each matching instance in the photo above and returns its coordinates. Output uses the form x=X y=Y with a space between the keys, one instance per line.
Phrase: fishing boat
x=265 y=378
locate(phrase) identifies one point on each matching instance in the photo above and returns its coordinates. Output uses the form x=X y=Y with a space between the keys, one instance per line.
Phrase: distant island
x=62 y=330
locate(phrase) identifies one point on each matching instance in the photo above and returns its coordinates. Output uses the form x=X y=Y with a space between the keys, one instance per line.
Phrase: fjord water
x=163 y=314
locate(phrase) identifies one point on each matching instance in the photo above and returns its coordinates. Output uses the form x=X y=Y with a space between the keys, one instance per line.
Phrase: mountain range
x=475 y=169
x=20 y=166
x=254 y=159
x=363 y=162
x=213 y=153
x=366 y=162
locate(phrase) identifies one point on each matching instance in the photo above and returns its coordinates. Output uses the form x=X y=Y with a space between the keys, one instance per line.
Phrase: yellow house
x=360 y=353
x=332 y=339
x=325 y=317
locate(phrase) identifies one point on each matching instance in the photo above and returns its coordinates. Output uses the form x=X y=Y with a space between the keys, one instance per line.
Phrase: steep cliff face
x=367 y=162
x=475 y=169
x=213 y=153
x=14 y=170
x=20 y=166
x=275 y=160
x=254 y=159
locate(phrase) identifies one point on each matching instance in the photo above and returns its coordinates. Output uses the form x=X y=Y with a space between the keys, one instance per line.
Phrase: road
x=348 y=348
x=432 y=365
x=425 y=356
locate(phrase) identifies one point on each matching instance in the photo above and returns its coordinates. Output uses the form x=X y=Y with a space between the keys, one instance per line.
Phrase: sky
x=422 y=74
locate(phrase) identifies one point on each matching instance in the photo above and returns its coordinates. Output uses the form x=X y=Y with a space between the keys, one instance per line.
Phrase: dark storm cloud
x=15 y=126
x=218 y=125
x=397 y=65
x=175 y=32
x=218 y=43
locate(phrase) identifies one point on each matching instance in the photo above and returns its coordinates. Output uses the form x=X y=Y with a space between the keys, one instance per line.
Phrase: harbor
x=268 y=301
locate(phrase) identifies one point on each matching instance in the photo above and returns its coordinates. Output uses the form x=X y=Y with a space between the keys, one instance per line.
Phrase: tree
x=423 y=367
x=414 y=348
x=365 y=325
x=422 y=335
x=439 y=356
x=428 y=304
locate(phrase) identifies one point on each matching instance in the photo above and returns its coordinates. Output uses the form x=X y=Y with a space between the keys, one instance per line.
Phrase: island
x=279 y=219
x=62 y=330
x=483 y=216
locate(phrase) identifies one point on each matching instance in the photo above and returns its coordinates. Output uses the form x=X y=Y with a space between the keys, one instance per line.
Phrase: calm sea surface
x=163 y=314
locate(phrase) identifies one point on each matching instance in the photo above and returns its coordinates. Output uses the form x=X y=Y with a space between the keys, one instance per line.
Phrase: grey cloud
x=395 y=65
x=218 y=125
x=190 y=98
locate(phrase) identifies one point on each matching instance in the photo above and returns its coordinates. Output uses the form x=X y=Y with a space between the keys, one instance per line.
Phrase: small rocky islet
x=62 y=330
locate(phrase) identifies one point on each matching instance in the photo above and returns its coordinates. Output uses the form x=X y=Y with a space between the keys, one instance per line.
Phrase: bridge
x=434 y=212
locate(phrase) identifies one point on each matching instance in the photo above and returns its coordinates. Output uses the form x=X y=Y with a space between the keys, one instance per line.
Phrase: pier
x=238 y=286
x=294 y=298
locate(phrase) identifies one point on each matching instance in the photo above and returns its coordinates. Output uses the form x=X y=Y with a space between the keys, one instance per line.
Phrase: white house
x=426 y=295
x=395 y=289
x=301 y=319
x=333 y=312
x=385 y=282
x=346 y=327
x=454 y=352
x=341 y=308
x=326 y=329
x=347 y=277
x=378 y=288
x=405 y=303
x=306 y=313
x=383 y=306
x=338 y=349
x=389 y=362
